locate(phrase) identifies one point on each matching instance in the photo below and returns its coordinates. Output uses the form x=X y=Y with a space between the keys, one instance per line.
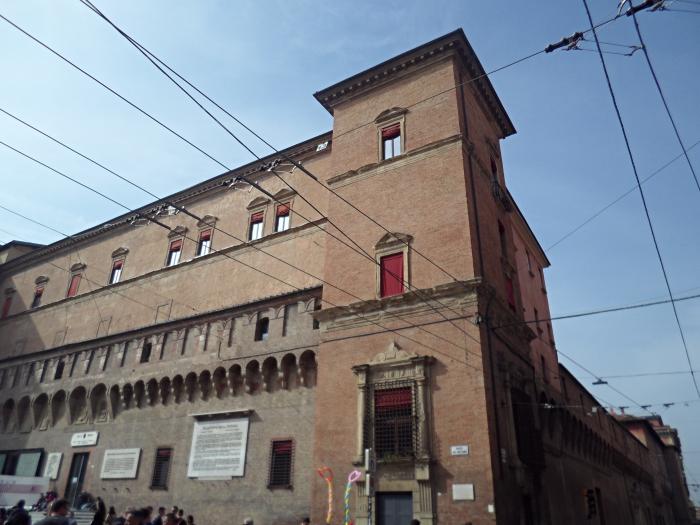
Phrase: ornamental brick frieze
x=98 y=402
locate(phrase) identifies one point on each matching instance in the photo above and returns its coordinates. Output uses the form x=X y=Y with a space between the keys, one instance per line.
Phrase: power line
x=648 y=374
x=603 y=311
x=362 y=252
x=641 y=192
x=663 y=97
x=177 y=134
x=396 y=316
x=617 y=199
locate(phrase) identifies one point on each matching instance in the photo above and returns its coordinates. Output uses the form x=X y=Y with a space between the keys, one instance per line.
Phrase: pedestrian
x=111 y=518
x=170 y=519
x=305 y=521
x=248 y=521
x=134 y=517
x=190 y=519
x=58 y=513
x=181 y=517
x=18 y=515
x=100 y=512
x=415 y=522
x=158 y=520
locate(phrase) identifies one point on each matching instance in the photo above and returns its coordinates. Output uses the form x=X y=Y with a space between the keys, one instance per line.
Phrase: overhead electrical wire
x=361 y=251
x=267 y=274
x=645 y=50
x=644 y=203
x=616 y=200
x=348 y=130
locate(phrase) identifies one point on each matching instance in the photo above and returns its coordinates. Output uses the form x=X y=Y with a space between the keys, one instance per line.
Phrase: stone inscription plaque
x=218 y=448
x=120 y=463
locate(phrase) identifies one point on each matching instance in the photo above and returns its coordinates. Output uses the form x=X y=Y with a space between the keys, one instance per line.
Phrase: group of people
x=59 y=513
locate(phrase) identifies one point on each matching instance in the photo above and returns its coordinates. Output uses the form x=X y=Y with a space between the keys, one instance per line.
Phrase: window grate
x=281 y=458
x=161 y=468
x=391 y=423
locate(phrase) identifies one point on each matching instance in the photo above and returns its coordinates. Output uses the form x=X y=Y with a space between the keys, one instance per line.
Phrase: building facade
x=373 y=288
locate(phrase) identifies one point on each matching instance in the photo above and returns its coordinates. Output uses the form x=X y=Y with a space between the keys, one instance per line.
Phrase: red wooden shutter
x=118 y=265
x=6 y=306
x=74 y=283
x=176 y=245
x=205 y=235
x=283 y=209
x=393 y=398
x=391 y=276
x=391 y=132
x=256 y=217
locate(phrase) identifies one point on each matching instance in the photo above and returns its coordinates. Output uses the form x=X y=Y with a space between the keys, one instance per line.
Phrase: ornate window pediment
x=42 y=279
x=207 y=220
x=390 y=114
x=78 y=267
x=258 y=202
x=178 y=231
x=120 y=252
x=391 y=240
x=284 y=193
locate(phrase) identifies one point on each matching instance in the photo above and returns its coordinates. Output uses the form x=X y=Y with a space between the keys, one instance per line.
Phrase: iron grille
x=391 y=420
x=281 y=456
x=161 y=468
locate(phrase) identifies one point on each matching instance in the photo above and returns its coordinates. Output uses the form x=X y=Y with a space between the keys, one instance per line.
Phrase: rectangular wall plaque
x=84 y=439
x=459 y=450
x=120 y=463
x=53 y=465
x=218 y=448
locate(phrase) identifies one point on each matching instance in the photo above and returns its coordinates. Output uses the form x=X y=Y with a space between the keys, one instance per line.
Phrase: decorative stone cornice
x=390 y=114
x=389 y=240
x=78 y=267
x=42 y=279
x=454 y=44
x=453 y=295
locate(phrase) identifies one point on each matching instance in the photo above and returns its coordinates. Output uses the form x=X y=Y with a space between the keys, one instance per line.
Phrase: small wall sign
x=84 y=439
x=459 y=450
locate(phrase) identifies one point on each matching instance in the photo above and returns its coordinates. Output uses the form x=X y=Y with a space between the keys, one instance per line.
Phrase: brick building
x=213 y=349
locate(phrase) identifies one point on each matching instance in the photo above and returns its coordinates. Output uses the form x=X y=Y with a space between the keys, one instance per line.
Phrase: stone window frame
x=284 y=197
x=208 y=222
x=40 y=284
x=386 y=118
x=257 y=205
x=390 y=244
x=118 y=255
x=398 y=366
x=78 y=269
x=179 y=233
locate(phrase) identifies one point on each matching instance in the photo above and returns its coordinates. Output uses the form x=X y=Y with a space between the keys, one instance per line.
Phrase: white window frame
x=173 y=257
x=204 y=246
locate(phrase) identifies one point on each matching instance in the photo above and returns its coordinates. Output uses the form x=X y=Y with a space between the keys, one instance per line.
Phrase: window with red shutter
x=391 y=141
x=255 y=230
x=116 y=273
x=74 y=284
x=6 y=307
x=281 y=455
x=174 y=252
x=393 y=422
x=282 y=218
x=391 y=275
x=204 y=243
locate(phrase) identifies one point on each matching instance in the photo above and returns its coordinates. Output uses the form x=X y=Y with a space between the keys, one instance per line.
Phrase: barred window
x=394 y=423
x=281 y=455
x=161 y=468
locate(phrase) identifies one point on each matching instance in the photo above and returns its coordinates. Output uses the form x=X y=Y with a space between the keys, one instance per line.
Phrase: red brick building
x=391 y=316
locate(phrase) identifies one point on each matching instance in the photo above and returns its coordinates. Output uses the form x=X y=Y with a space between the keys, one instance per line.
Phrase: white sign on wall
x=218 y=448
x=459 y=450
x=53 y=465
x=120 y=463
x=84 y=439
x=463 y=492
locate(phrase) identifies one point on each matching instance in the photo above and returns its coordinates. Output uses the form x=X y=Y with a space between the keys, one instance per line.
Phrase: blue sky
x=264 y=60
